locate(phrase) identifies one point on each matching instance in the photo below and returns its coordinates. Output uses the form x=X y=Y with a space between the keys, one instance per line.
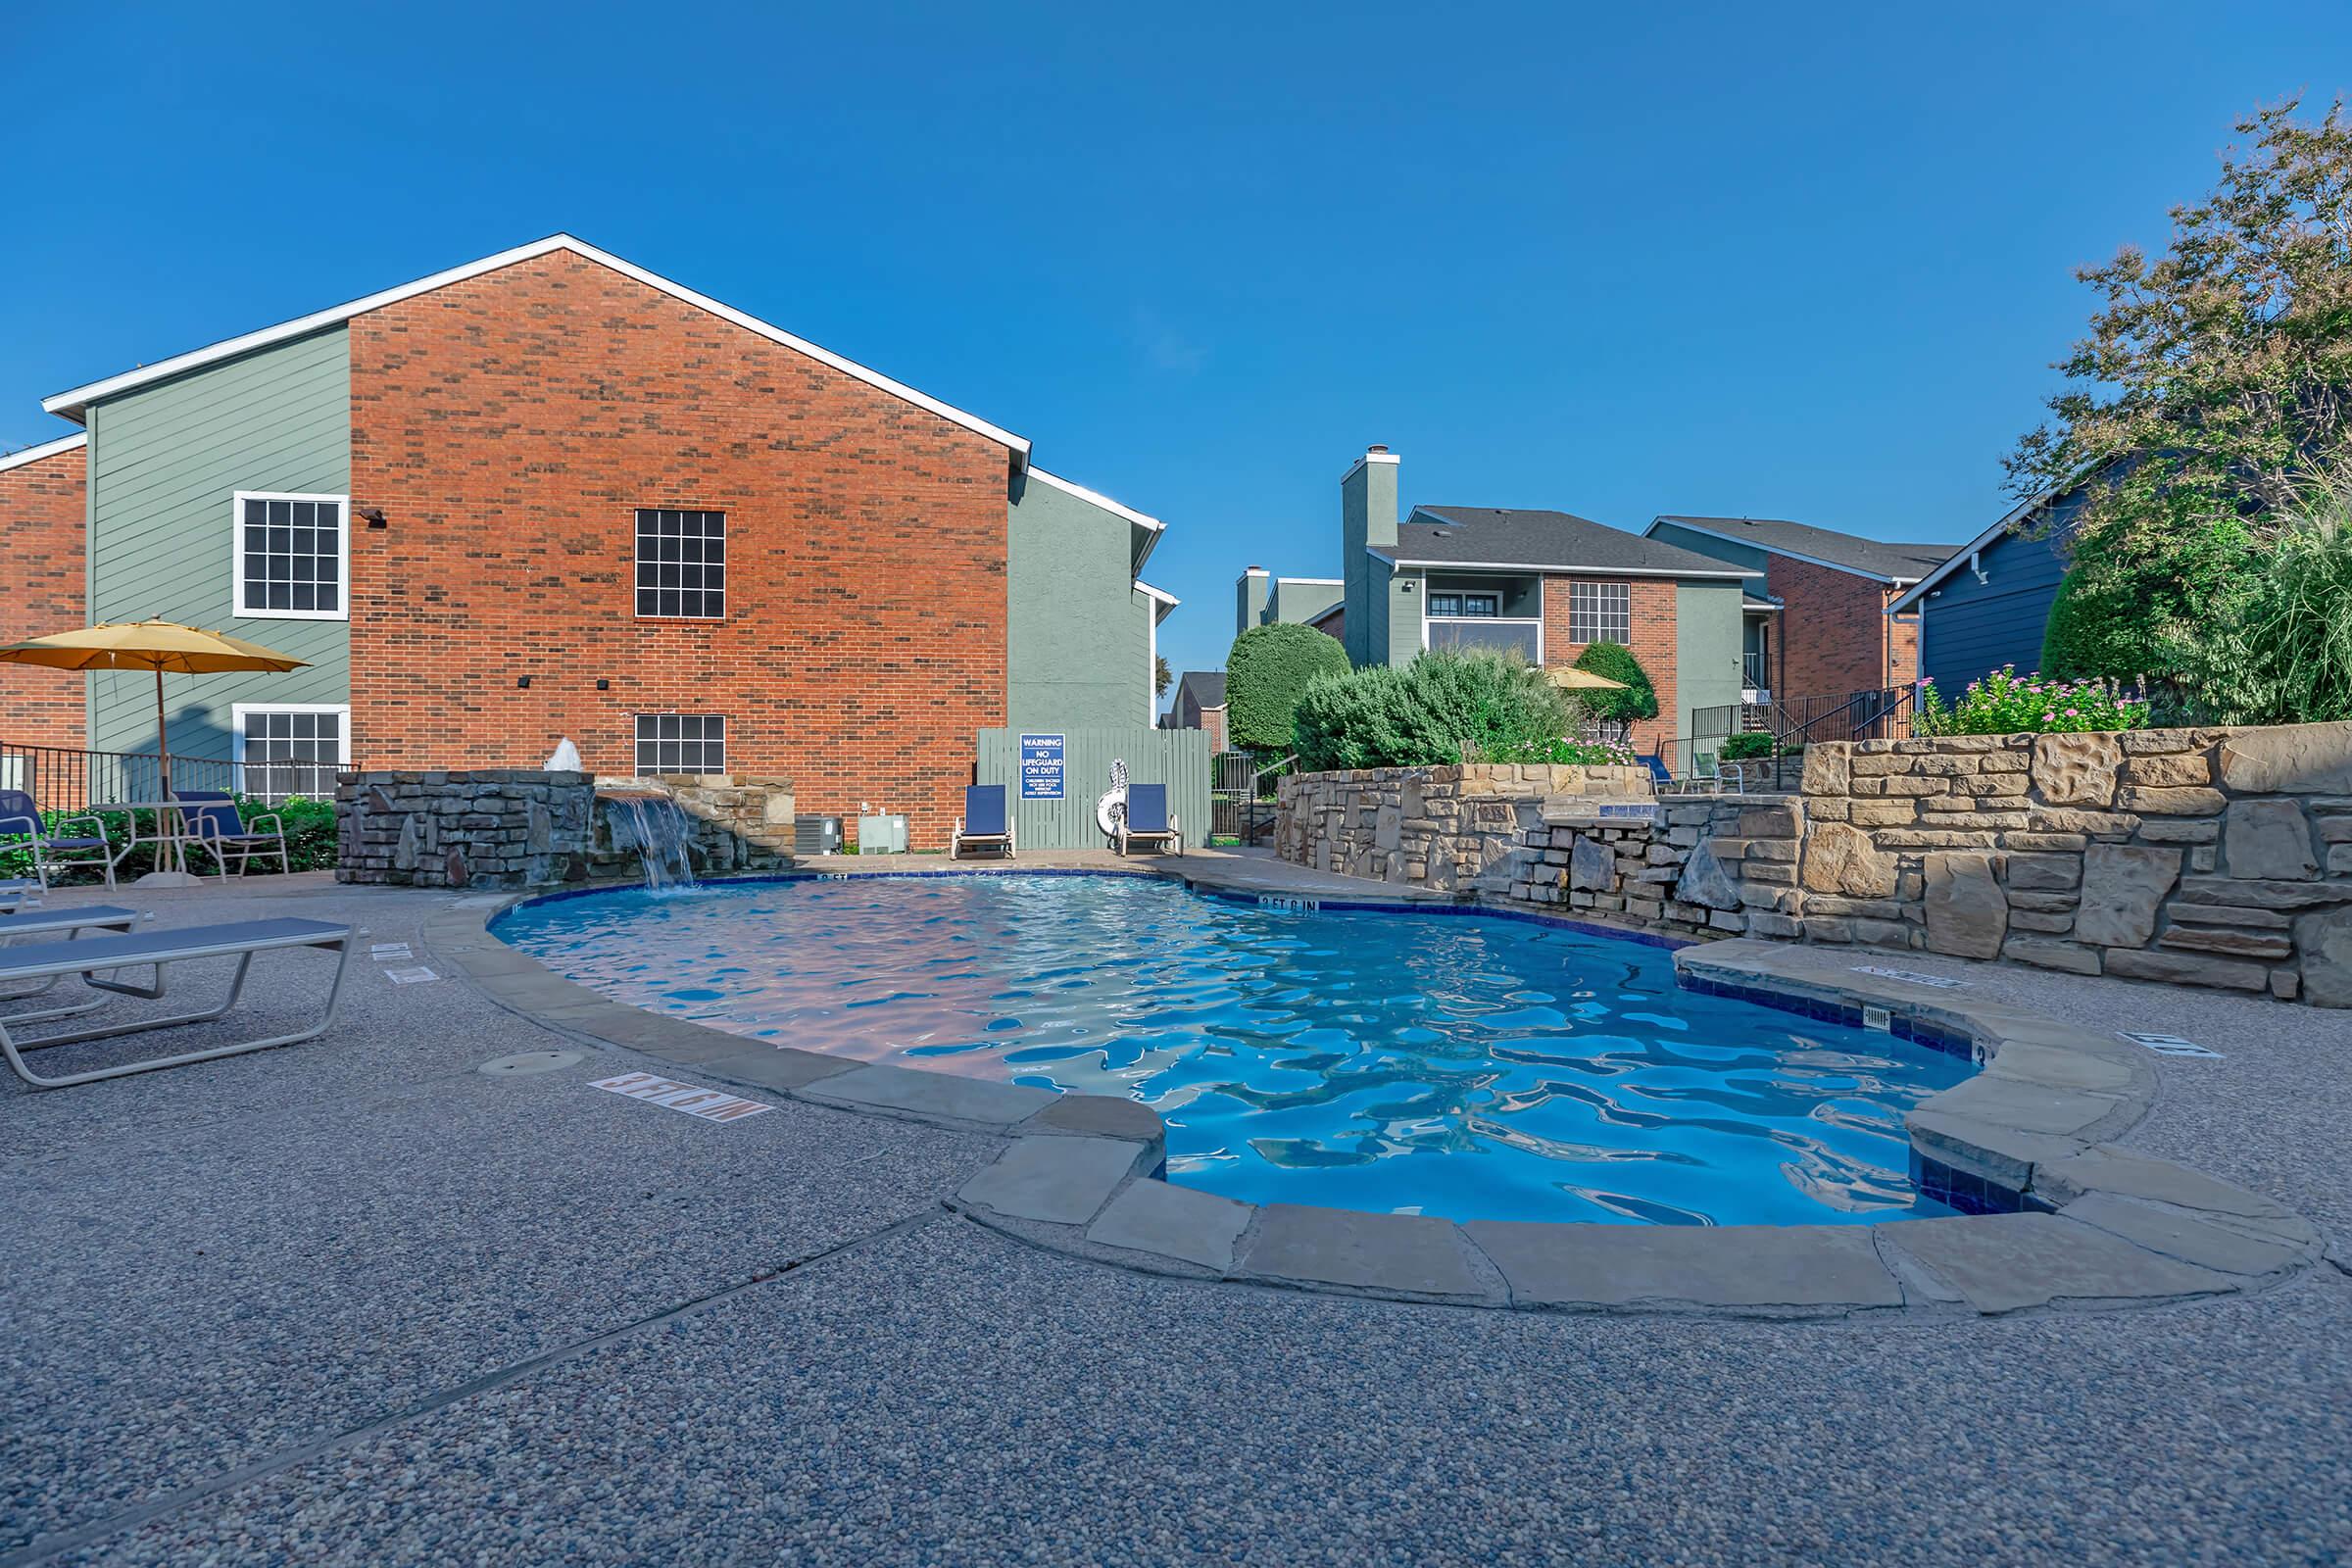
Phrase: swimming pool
x=1473 y=1067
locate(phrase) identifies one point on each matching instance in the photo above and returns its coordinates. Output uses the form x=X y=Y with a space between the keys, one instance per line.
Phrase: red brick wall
x=1654 y=644
x=42 y=515
x=509 y=425
x=1902 y=639
x=1833 y=631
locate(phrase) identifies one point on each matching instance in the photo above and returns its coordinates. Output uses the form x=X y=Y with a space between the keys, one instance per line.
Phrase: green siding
x=1707 y=627
x=1398 y=594
x=1302 y=602
x=165 y=463
x=1731 y=552
x=1078 y=650
x=1368 y=518
x=1176 y=758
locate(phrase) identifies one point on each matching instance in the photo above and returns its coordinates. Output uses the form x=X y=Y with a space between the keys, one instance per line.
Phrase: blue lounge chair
x=1149 y=821
x=1665 y=783
x=19 y=818
x=214 y=825
x=985 y=824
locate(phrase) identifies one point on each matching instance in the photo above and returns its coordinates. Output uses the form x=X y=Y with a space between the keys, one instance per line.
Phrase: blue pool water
x=1473 y=1067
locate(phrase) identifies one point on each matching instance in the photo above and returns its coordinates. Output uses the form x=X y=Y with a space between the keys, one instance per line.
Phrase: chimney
x=1250 y=599
x=1368 y=521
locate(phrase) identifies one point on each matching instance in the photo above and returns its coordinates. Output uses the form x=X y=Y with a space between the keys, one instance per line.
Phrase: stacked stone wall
x=1447 y=829
x=525 y=829
x=2202 y=856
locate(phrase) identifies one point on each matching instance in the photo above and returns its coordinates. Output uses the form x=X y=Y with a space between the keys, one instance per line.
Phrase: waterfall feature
x=657 y=828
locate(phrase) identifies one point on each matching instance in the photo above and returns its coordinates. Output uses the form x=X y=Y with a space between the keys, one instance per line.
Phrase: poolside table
x=170 y=831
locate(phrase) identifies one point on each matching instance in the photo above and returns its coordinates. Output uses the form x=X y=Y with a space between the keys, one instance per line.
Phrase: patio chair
x=20 y=893
x=1149 y=819
x=1667 y=783
x=20 y=818
x=214 y=825
x=984 y=824
x=240 y=941
x=59 y=925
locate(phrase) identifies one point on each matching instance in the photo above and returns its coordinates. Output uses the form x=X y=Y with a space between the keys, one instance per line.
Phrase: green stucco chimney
x=1250 y=599
x=1368 y=521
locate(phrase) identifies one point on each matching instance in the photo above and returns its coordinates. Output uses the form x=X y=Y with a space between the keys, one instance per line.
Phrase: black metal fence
x=63 y=778
x=1794 y=723
x=1240 y=795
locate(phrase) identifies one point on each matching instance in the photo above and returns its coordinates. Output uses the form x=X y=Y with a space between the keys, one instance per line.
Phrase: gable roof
x=46 y=449
x=1206 y=687
x=1508 y=539
x=74 y=403
x=1822 y=547
x=1911 y=597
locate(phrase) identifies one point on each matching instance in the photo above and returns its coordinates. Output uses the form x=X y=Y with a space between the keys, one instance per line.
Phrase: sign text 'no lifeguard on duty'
x=1042 y=768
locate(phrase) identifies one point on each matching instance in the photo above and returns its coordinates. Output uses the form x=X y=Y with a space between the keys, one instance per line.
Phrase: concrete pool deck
x=355 y=1300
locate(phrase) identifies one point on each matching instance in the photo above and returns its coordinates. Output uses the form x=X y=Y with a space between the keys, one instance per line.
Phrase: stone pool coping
x=2059 y=1215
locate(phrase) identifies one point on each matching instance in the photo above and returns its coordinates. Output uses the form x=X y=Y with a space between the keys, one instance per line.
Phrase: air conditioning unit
x=817 y=835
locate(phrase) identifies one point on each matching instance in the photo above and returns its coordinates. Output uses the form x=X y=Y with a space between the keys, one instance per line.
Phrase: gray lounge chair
x=215 y=826
x=985 y=824
x=20 y=818
x=64 y=924
x=1149 y=821
x=185 y=944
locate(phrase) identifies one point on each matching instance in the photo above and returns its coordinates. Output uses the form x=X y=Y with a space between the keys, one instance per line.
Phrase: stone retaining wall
x=1443 y=828
x=1661 y=873
x=526 y=827
x=2205 y=857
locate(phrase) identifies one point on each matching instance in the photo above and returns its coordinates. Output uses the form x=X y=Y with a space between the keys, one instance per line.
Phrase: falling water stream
x=656 y=828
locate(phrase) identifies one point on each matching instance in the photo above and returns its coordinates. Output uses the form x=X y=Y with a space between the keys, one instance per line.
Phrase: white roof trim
x=1774 y=550
x=1096 y=498
x=1163 y=603
x=1317 y=582
x=1919 y=590
x=1553 y=567
x=46 y=449
x=74 y=402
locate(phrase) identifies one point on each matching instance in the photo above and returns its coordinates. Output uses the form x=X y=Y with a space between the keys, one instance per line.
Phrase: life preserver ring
x=1110 y=811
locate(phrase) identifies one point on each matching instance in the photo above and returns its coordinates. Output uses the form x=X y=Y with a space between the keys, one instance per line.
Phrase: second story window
x=1601 y=612
x=1464 y=603
x=292 y=557
x=681 y=564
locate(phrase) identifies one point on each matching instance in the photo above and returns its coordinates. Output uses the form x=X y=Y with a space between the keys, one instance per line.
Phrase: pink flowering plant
x=2005 y=702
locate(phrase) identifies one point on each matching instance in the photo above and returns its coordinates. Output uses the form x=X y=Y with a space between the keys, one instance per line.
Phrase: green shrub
x=309 y=826
x=1748 y=744
x=1616 y=662
x=1444 y=706
x=2284 y=656
x=2005 y=702
x=1266 y=672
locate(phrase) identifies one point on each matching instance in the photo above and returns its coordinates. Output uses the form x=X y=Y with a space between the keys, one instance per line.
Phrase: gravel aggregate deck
x=629 y=1336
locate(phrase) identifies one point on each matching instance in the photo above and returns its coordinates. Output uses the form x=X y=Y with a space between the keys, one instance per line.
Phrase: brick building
x=41 y=504
x=1821 y=623
x=1544 y=584
x=549 y=494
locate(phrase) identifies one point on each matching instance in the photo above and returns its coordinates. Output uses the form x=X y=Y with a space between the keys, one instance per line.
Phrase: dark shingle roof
x=1507 y=537
x=1778 y=534
x=1207 y=688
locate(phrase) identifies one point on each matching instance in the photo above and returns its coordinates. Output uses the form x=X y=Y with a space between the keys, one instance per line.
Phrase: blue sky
x=1800 y=262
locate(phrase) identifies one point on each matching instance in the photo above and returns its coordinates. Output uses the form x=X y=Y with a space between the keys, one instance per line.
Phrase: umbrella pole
x=163 y=747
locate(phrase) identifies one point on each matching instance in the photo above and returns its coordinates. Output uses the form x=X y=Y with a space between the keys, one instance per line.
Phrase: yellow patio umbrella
x=162 y=646
x=1570 y=678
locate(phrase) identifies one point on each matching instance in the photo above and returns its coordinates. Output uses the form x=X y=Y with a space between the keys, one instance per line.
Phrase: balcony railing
x=1502 y=635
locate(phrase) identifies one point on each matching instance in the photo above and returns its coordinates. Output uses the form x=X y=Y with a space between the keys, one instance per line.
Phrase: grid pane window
x=681 y=743
x=290 y=556
x=681 y=563
x=1463 y=603
x=1601 y=612
x=292 y=751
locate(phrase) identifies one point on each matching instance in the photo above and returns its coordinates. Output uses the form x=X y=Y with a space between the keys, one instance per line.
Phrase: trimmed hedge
x=1616 y=662
x=1266 y=672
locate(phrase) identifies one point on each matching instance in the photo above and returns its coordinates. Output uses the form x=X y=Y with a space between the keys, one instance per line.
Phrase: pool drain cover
x=529 y=1061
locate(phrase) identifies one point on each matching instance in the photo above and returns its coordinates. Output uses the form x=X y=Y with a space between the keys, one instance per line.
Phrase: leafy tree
x=2214 y=384
x=1162 y=676
x=1616 y=662
x=1265 y=673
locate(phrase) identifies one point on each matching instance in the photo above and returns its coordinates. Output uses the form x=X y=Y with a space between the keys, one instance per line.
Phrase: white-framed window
x=1450 y=601
x=1601 y=612
x=681 y=743
x=681 y=564
x=290 y=749
x=291 y=556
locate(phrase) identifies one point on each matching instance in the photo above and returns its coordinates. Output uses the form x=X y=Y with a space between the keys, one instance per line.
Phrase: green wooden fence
x=1176 y=758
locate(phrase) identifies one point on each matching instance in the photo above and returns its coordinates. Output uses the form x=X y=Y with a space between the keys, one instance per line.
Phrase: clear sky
x=1796 y=260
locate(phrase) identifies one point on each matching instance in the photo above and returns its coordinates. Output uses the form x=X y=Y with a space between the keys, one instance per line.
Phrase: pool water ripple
x=1474 y=1068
